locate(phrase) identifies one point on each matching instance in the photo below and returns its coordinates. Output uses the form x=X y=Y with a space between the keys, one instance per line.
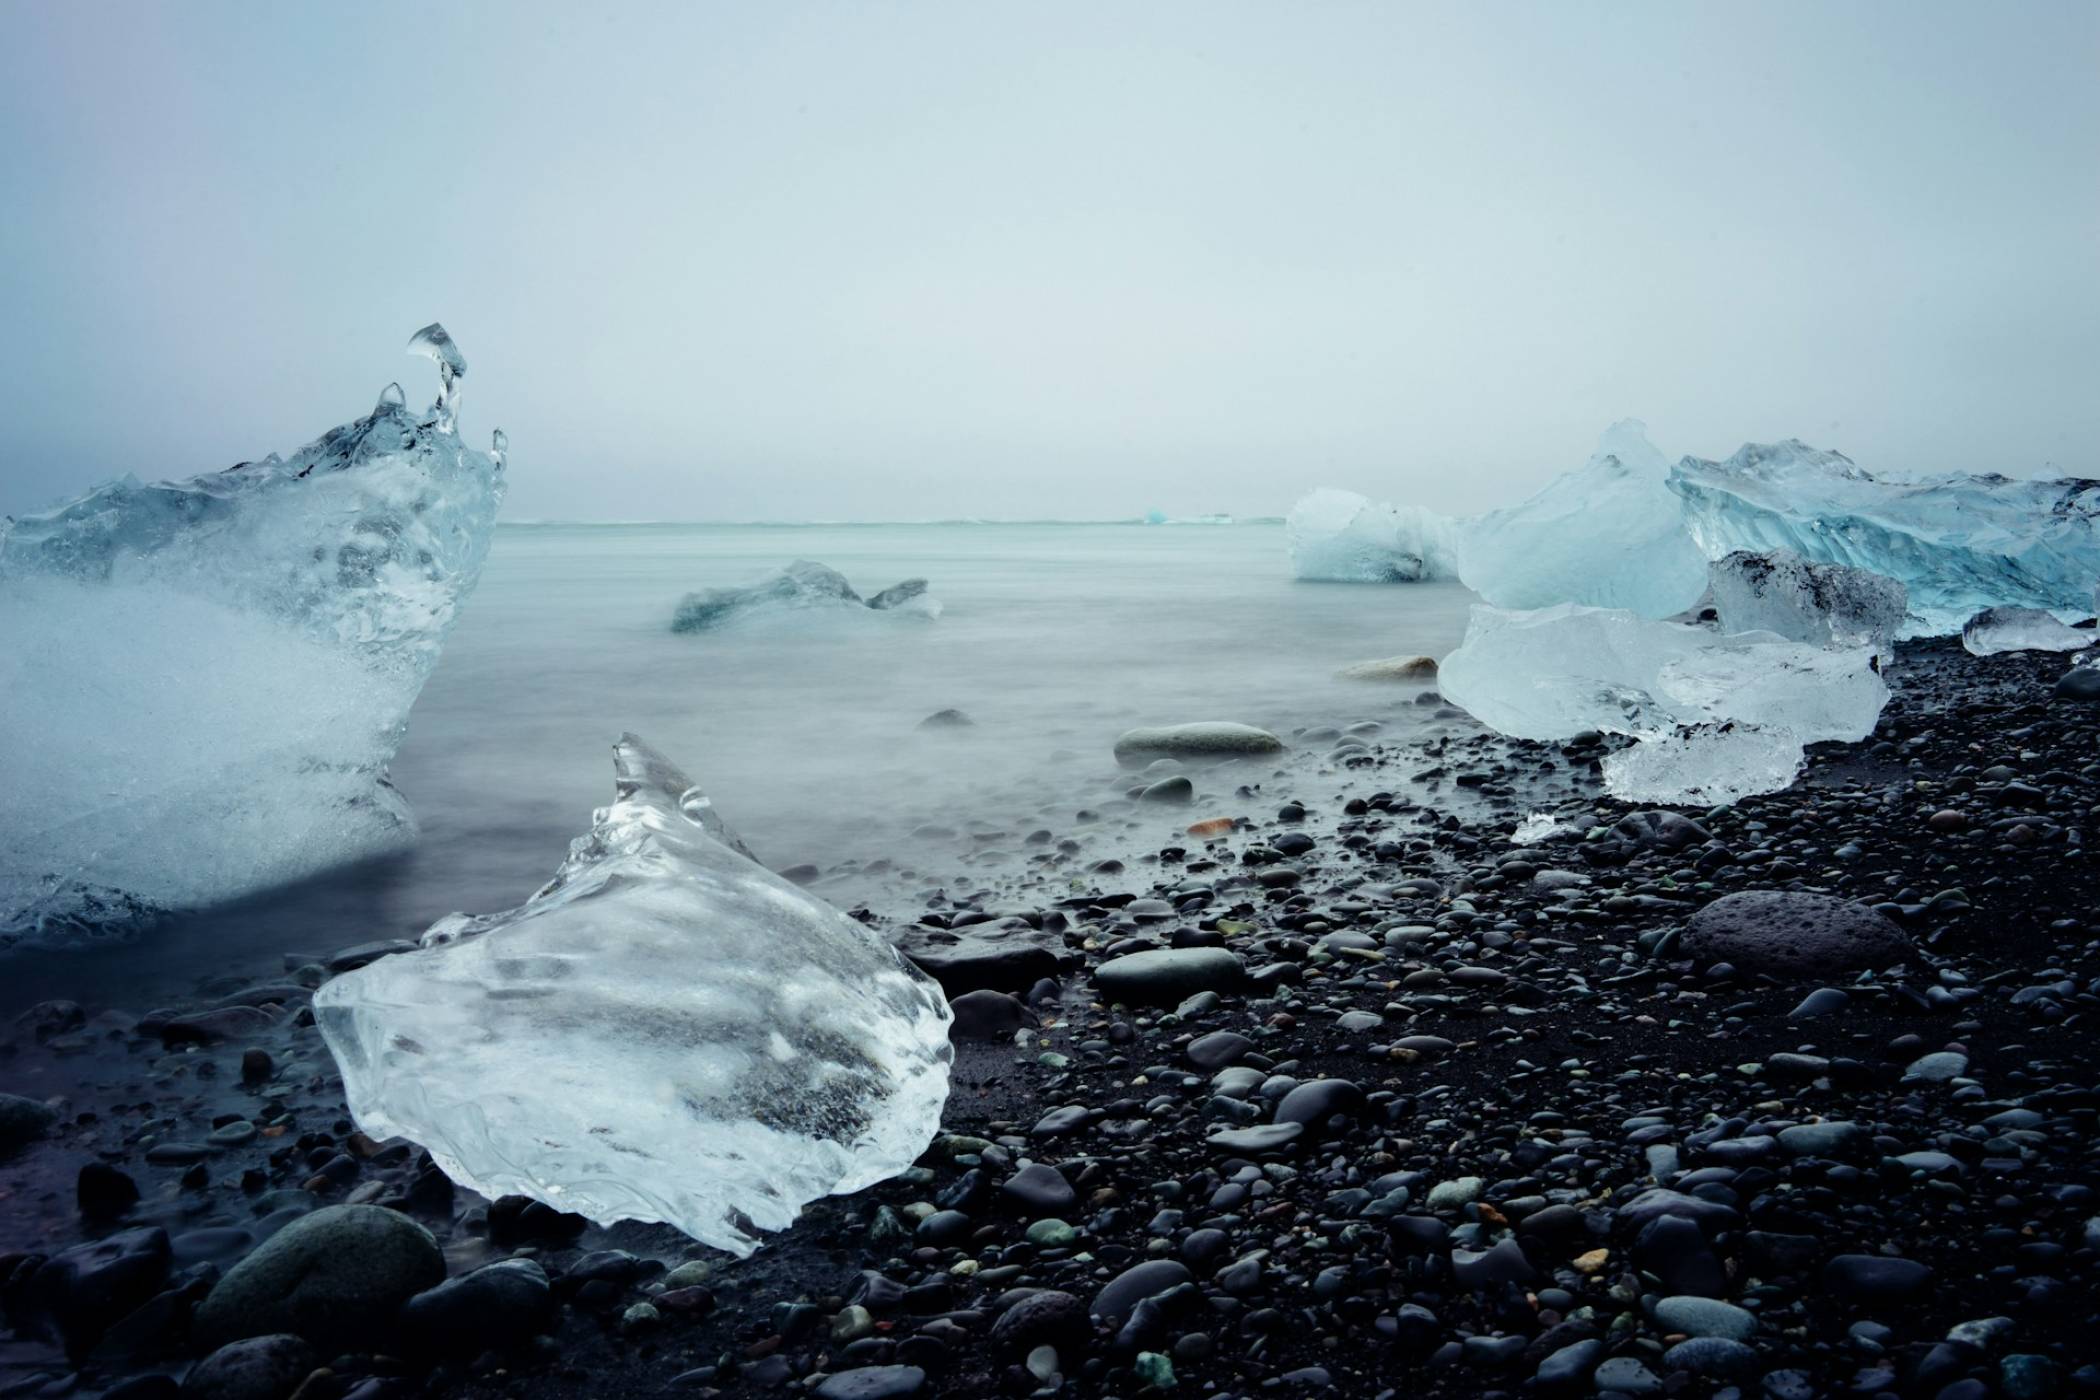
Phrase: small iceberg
x=667 y=1031
x=202 y=682
x=1341 y=537
x=803 y=586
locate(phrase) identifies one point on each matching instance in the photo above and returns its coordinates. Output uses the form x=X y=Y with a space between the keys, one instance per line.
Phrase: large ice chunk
x=202 y=682
x=2022 y=629
x=1609 y=535
x=1718 y=717
x=1958 y=543
x=1824 y=604
x=1341 y=537
x=803 y=586
x=667 y=1031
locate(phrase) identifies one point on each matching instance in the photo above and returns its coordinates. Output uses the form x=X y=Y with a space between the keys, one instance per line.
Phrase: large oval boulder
x=335 y=1277
x=1212 y=739
x=1793 y=933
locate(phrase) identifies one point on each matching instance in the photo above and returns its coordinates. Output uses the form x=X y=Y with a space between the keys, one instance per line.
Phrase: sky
x=906 y=261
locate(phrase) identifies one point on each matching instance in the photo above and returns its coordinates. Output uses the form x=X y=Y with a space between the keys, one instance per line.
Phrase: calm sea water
x=804 y=727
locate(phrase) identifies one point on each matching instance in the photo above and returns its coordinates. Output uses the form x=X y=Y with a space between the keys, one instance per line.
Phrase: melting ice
x=667 y=1031
x=1718 y=717
x=202 y=682
x=1341 y=537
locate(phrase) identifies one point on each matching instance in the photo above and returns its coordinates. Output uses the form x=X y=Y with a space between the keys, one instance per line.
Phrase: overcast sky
x=865 y=261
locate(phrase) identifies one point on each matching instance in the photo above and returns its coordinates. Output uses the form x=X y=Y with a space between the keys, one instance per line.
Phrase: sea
x=805 y=727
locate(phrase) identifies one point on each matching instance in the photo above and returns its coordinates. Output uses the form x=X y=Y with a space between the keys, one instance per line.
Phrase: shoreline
x=1432 y=1228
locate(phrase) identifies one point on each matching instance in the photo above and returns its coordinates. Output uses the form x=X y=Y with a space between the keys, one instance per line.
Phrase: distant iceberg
x=1341 y=537
x=666 y=1031
x=1958 y=543
x=202 y=682
x=802 y=586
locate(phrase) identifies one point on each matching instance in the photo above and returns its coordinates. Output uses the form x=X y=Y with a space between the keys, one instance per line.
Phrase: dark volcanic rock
x=1793 y=933
x=986 y=1015
x=1136 y=1283
x=1009 y=955
x=256 y=1368
x=494 y=1308
x=334 y=1277
x=1164 y=975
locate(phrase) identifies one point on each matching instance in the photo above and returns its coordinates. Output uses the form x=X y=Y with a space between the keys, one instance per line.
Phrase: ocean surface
x=804 y=726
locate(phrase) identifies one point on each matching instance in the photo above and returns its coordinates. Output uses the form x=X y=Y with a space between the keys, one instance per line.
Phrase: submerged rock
x=1420 y=669
x=1203 y=740
x=666 y=1031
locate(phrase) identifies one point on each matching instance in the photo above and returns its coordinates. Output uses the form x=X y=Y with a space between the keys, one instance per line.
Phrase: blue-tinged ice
x=1718 y=717
x=1608 y=535
x=1958 y=543
x=667 y=1031
x=1341 y=537
x=1996 y=630
x=202 y=681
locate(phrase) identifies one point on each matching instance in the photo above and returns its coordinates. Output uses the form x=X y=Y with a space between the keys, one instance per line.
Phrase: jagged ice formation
x=667 y=1031
x=202 y=682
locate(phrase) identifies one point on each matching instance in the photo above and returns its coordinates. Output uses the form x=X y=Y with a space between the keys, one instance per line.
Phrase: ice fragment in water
x=2022 y=629
x=1341 y=537
x=1826 y=604
x=667 y=1031
x=1754 y=699
x=1609 y=535
x=1958 y=543
x=1534 y=829
x=803 y=586
x=433 y=341
x=202 y=682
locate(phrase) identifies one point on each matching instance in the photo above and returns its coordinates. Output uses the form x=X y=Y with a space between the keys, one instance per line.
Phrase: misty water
x=804 y=727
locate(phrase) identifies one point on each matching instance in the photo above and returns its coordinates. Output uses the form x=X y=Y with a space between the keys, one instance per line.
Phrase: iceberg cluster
x=801 y=586
x=1958 y=543
x=666 y=1031
x=1341 y=537
x=202 y=682
x=1825 y=604
x=1607 y=535
x=1718 y=717
x=2022 y=629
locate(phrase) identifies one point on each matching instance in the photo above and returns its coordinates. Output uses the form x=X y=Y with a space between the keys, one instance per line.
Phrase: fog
x=984 y=260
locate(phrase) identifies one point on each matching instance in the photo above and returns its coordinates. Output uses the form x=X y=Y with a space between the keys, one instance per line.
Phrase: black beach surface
x=1407 y=1109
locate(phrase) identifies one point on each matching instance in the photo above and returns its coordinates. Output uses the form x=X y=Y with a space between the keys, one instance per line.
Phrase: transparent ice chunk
x=666 y=1031
x=1825 y=604
x=1609 y=535
x=202 y=682
x=1755 y=699
x=2022 y=629
x=803 y=586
